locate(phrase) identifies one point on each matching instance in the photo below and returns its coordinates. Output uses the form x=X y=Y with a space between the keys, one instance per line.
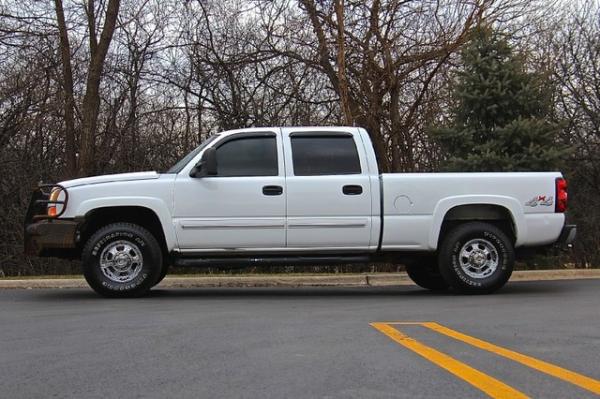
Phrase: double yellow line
x=489 y=385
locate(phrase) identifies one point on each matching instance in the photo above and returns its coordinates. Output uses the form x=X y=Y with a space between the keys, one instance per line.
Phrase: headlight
x=53 y=208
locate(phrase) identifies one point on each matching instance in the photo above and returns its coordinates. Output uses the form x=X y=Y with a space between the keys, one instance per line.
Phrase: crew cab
x=293 y=196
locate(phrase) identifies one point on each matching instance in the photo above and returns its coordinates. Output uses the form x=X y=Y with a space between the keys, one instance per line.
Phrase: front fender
x=154 y=204
x=445 y=204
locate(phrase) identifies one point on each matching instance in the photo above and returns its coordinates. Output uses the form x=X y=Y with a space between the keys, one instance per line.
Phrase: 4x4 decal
x=541 y=200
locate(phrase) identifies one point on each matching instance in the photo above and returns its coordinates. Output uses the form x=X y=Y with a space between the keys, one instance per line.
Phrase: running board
x=268 y=261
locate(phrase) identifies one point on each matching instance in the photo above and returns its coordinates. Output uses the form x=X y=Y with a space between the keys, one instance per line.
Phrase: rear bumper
x=49 y=237
x=567 y=236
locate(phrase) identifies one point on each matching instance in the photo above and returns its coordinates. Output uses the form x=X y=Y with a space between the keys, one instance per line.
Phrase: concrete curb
x=297 y=280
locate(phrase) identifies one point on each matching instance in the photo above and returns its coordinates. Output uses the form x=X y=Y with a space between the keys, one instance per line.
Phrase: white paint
x=231 y=214
x=153 y=194
x=317 y=204
x=110 y=178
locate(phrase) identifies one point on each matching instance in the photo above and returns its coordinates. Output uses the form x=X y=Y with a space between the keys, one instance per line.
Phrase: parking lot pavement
x=535 y=339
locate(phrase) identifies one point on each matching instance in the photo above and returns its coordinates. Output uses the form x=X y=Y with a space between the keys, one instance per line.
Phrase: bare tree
x=91 y=100
x=341 y=61
x=69 y=98
x=577 y=72
x=389 y=47
x=133 y=85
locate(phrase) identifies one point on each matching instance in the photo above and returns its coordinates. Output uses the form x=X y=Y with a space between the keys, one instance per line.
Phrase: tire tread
x=143 y=288
x=445 y=258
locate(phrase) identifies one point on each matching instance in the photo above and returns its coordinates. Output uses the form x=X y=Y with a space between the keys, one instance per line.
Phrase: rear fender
x=511 y=204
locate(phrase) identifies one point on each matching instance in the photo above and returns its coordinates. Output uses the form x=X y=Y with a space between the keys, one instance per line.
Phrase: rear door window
x=319 y=155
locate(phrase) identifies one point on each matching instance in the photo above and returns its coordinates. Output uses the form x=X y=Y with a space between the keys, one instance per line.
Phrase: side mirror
x=207 y=165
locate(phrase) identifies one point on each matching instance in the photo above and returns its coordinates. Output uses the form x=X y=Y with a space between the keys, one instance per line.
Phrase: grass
x=78 y=276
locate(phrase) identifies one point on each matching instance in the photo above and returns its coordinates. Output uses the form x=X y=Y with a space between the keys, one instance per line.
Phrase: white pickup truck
x=301 y=195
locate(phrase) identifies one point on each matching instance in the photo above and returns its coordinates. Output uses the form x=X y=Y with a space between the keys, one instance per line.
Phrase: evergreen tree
x=500 y=121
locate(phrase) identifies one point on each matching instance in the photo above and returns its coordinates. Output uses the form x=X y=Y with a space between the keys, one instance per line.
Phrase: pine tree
x=500 y=121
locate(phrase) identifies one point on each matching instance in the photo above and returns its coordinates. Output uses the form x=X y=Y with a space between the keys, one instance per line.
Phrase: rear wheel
x=476 y=258
x=122 y=260
x=425 y=273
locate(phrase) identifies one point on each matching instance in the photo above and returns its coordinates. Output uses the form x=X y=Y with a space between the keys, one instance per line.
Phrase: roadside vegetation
x=102 y=86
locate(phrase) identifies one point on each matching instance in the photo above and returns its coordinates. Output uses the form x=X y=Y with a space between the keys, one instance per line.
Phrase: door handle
x=272 y=190
x=352 y=189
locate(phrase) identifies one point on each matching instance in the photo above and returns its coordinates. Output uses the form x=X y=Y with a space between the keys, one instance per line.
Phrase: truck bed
x=414 y=205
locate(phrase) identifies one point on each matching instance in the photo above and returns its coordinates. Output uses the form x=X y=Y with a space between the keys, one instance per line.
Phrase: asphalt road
x=299 y=343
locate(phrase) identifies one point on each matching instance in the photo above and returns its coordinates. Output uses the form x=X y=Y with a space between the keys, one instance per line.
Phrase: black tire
x=163 y=272
x=425 y=273
x=487 y=237
x=133 y=244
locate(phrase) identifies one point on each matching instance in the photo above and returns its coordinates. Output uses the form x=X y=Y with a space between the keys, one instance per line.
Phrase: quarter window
x=324 y=155
x=248 y=156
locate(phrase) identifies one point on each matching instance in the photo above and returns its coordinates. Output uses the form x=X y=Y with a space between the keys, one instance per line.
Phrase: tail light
x=561 y=195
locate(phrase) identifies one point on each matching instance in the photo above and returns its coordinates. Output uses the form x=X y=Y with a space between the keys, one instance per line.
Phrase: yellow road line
x=491 y=386
x=555 y=371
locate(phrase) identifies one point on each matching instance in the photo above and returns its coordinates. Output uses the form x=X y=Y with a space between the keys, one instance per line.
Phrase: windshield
x=185 y=160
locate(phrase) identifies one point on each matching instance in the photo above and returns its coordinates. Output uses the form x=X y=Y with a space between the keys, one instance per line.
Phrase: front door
x=243 y=206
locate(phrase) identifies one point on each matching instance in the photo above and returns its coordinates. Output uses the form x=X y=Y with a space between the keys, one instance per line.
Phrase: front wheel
x=476 y=258
x=122 y=260
x=163 y=272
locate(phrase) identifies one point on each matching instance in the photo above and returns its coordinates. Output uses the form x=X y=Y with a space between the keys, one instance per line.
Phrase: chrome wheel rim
x=121 y=261
x=478 y=258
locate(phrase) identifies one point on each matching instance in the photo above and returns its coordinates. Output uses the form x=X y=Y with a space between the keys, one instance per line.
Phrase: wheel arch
x=152 y=218
x=504 y=212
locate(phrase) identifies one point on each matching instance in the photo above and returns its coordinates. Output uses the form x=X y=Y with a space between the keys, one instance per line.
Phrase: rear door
x=328 y=189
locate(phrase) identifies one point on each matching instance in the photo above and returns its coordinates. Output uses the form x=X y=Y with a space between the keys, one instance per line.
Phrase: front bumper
x=49 y=237
x=46 y=235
